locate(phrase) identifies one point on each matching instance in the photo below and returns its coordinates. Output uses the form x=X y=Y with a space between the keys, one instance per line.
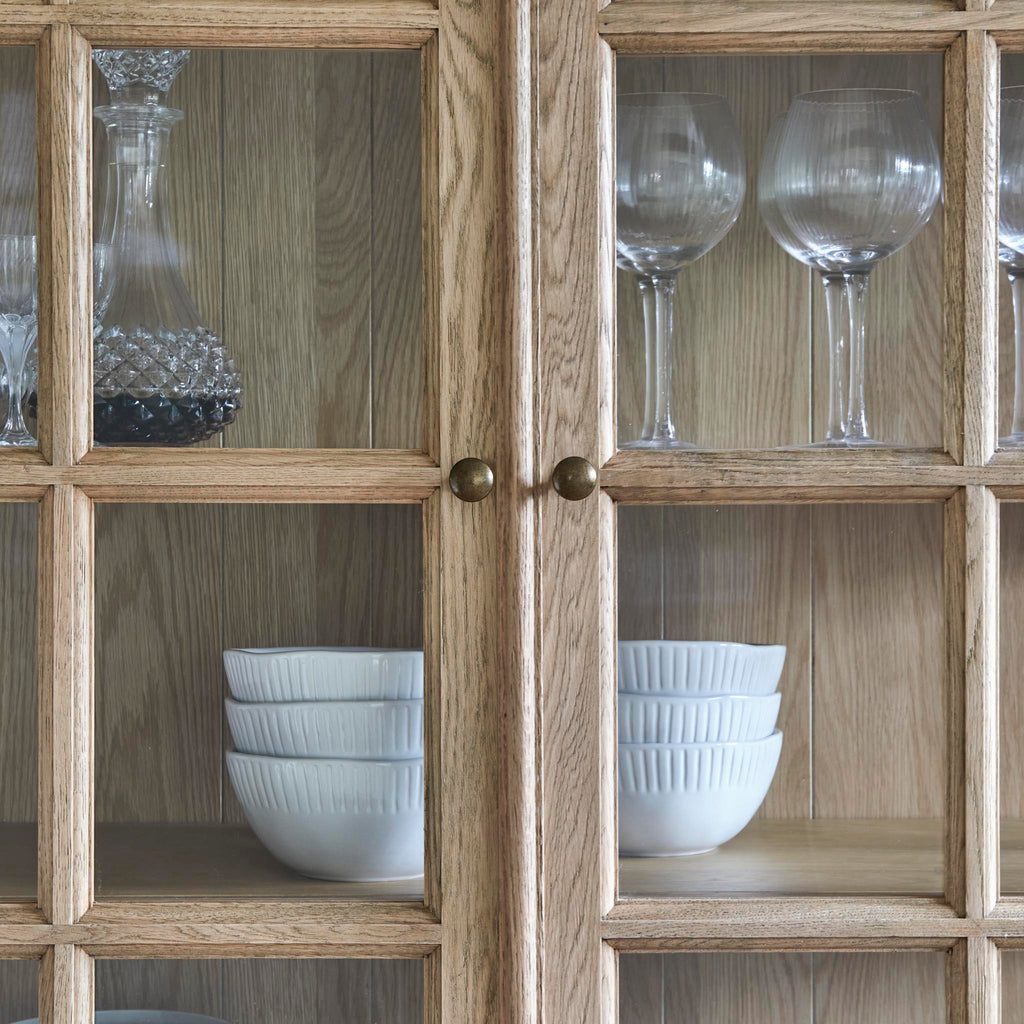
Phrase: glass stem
x=15 y=354
x=1017 y=289
x=838 y=369
x=660 y=339
x=856 y=285
x=646 y=289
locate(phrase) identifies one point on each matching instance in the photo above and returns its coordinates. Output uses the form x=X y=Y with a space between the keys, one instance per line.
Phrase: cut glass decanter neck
x=140 y=76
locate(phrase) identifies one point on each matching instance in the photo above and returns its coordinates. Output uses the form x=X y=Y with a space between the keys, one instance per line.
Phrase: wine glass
x=1011 y=239
x=858 y=176
x=830 y=272
x=679 y=185
x=18 y=326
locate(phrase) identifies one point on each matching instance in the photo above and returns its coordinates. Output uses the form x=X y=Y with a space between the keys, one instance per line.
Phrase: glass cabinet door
x=771 y=635
x=255 y=727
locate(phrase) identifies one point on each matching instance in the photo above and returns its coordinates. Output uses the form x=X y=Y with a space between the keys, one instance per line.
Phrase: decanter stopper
x=140 y=76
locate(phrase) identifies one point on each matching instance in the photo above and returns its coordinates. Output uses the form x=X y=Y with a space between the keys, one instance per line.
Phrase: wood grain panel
x=782 y=988
x=19 y=525
x=1011 y=964
x=878 y=661
x=268 y=991
x=340 y=353
x=641 y=988
x=159 y=614
x=853 y=987
x=1011 y=72
x=1011 y=657
x=269 y=266
x=18 y=130
x=397 y=259
x=19 y=989
x=903 y=355
x=183 y=986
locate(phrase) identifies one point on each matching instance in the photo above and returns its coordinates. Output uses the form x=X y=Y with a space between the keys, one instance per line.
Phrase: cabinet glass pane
x=18 y=700
x=750 y=359
x=176 y=585
x=296 y=223
x=1011 y=962
x=19 y=989
x=266 y=991
x=1011 y=695
x=856 y=802
x=18 y=245
x=1011 y=428
x=780 y=988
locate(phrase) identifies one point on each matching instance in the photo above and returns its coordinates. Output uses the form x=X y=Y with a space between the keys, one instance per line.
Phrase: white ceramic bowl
x=694 y=667
x=341 y=820
x=690 y=798
x=323 y=673
x=383 y=729
x=727 y=718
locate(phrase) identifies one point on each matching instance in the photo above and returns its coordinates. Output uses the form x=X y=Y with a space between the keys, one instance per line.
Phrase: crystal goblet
x=679 y=185
x=831 y=274
x=858 y=177
x=18 y=328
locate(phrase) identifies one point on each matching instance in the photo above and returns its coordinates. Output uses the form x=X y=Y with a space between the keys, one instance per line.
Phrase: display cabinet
x=684 y=561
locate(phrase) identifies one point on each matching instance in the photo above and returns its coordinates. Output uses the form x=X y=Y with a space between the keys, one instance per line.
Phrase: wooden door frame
x=476 y=930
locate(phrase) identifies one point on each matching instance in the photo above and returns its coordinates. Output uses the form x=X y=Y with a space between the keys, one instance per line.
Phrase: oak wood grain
x=19 y=989
x=19 y=525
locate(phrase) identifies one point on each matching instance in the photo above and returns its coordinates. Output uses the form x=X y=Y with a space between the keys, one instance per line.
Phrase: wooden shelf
x=147 y=861
x=801 y=858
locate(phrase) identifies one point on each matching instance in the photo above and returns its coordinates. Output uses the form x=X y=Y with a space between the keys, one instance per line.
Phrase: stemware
x=18 y=327
x=858 y=176
x=679 y=185
x=831 y=274
x=1011 y=239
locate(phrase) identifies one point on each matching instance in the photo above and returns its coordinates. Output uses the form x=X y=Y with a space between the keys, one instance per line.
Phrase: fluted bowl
x=383 y=729
x=689 y=798
x=274 y=674
x=725 y=718
x=699 y=667
x=335 y=819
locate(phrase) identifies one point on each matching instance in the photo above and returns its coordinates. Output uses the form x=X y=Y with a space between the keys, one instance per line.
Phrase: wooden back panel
x=782 y=988
x=855 y=592
x=268 y=991
x=19 y=523
x=294 y=185
x=19 y=989
x=751 y=359
x=177 y=584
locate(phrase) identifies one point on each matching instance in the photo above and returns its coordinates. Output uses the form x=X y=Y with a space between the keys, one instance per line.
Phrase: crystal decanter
x=161 y=376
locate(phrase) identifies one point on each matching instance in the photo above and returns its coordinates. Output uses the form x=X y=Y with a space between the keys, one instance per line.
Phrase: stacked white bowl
x=698 y=746
x=329 y=757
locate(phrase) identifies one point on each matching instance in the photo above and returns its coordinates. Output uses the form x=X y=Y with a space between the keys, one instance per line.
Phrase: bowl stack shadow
x=328 y=763
x=698 y=747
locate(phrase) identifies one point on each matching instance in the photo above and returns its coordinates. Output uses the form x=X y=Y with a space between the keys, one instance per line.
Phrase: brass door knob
x=574 y=478
x=471 y=479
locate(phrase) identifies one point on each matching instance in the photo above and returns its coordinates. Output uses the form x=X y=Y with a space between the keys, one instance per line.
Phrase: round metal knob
x=471 y=479
x=574 y=478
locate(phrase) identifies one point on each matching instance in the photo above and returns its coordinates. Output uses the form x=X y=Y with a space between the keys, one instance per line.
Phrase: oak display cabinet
x=400 y=217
